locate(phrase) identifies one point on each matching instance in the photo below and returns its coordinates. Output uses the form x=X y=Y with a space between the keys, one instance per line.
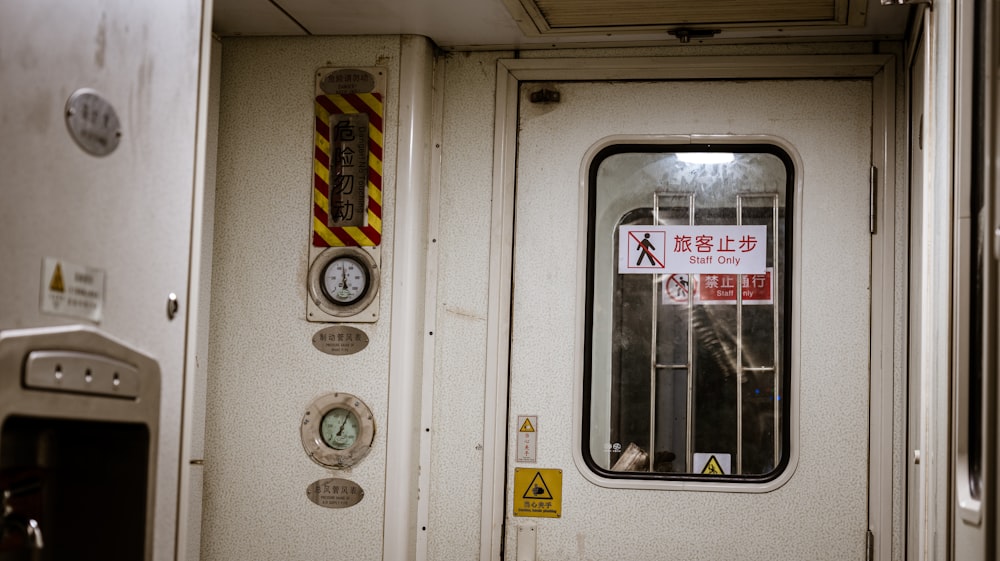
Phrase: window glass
x=686 y=369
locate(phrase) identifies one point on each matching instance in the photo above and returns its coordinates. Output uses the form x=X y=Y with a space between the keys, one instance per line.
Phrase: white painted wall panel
x=128 y=213
x=460 y=353
x=263 y=369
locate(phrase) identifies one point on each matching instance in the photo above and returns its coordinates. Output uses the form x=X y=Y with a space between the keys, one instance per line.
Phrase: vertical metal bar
x=689 y=414
x=739 y=352
x=652 y=353
x=776 y=360
x=689 y=366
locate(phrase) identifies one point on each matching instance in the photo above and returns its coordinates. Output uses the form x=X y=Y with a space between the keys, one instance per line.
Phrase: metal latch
x=684 y=34
x=545 y=95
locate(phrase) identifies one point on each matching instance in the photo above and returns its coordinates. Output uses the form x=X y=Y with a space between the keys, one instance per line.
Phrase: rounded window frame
x=790 y=343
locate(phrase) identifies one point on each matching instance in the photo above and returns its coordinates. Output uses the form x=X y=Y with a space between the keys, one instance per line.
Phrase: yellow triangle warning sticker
x=537 y=489
x=526 y=426
x=712 y=467
x=57 y=284
x=537 y=492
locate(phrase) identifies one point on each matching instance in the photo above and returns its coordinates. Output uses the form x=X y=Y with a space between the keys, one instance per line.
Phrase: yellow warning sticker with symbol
x=538 y=492
x=71 y=290
x=711 y=463
x=526 y=426
x=712 y=467
x=57 y=284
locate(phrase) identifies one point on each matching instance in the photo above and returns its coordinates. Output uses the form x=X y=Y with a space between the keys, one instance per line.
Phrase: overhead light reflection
x=705 y=157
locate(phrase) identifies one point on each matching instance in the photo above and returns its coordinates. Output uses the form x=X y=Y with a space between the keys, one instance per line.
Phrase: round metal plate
x=93 y=122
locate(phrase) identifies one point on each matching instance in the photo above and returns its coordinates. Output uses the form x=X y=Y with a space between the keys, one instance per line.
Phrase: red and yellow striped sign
x=371 y=233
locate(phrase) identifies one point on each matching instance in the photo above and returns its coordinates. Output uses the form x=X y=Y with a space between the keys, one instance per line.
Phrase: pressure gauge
x=345 y=280
x=343 y=283
x=337 y=430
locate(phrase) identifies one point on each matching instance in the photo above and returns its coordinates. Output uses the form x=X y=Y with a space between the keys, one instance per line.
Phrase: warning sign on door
x=538 y=492
x=719 y=289
x=72 y=290
x=642 y=249
x=692 y=249
x=676 y=289
x=527 y=438
x=712 y=463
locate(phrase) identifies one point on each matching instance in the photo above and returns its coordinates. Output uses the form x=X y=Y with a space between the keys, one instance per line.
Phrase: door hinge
x=870 y=546
x=873 y=194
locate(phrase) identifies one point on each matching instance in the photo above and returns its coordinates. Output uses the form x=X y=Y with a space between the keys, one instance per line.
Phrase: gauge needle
x=344 y=282
x=342 y=426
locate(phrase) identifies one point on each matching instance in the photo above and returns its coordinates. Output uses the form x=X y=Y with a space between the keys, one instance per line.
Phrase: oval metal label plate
x=93 y=122
x=335 y=493
x=347 y=81
x=340 y=340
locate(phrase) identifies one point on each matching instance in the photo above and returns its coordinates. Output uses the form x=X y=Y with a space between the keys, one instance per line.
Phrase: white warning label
x=527 y=438
x=72 y=290
x=710 y=249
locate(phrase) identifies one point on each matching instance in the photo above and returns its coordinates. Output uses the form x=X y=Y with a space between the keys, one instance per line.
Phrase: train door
x=698 y=409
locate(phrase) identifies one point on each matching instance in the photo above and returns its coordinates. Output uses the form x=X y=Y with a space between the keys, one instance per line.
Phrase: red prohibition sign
x=644 y=249
x=677 y=287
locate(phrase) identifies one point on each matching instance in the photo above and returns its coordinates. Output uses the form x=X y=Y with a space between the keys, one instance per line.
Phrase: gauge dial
x=343 y=284
x=339 y=428
x=345 y=280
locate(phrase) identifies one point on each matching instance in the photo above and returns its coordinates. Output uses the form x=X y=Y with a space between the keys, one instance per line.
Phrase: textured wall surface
x=263 y=369
x=460 y=355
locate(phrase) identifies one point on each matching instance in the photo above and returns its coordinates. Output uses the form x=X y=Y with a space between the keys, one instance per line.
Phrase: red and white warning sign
x=642 y=249
x=723 y=289
x=692 y=249
x=719 y=289
x=676 y=289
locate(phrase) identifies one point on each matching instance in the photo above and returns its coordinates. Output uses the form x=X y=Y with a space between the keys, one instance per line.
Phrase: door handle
x=22 y=524
x=28 y=526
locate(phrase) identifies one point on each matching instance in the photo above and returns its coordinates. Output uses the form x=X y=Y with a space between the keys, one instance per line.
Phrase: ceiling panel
x=251 y=17
x=643 y=14
x=523 y=24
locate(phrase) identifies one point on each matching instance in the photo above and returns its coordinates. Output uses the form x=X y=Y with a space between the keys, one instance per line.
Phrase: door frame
x=886 y=260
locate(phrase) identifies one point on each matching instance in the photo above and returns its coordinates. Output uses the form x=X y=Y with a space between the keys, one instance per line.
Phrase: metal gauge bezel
x=318 y=293
x=311 y=430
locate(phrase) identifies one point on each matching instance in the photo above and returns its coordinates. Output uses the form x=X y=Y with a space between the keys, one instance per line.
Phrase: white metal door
x=820 y=511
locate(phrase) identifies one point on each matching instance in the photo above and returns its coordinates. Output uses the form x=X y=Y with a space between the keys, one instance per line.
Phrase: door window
x=687 y=362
